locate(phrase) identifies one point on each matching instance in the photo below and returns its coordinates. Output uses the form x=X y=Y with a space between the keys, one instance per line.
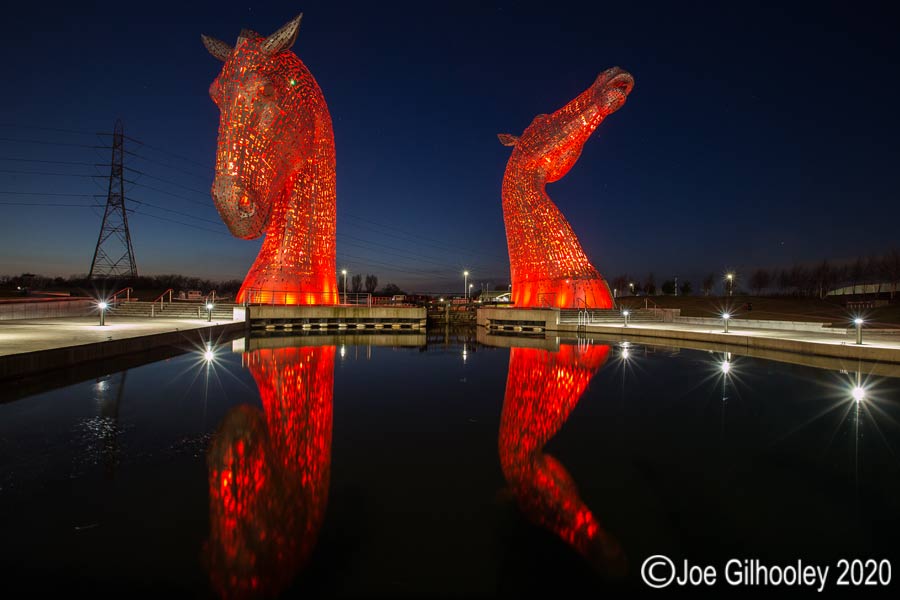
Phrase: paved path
x=881 y=346
x=32 y=335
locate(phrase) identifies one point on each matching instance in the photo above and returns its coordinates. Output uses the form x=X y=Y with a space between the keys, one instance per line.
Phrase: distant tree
x=501 y=287
x=708 y=282
x=872 y=272
x=857 y=273
x=824 y=277
x=891 y=265
x=650 y=285
x=356 y=283
x=371 y=283
x=686 y=288
x=759 y=280
x=392 y=290
x=620 y=283
x=783 y=280
x=668 y=287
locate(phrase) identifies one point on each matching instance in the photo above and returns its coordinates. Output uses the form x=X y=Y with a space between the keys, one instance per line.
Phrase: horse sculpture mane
x=275 y=167
x=548 y=267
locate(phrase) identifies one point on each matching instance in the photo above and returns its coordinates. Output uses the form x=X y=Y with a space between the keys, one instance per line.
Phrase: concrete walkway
x=29 y=346
x=880 y=347
x=32 y=335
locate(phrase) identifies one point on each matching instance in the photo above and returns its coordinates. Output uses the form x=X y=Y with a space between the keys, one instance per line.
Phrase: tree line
x=798 y=280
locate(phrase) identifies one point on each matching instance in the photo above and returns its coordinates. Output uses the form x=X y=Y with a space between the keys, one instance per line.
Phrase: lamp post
x=725 y=317
x=631 y=285
x=625 y=314
x=858 y=322
x=466 y=284
x=209 y=307
x=344 y=273
x=102 y=305
x=730 y=278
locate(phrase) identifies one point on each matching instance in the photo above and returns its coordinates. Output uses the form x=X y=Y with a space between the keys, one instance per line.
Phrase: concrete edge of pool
x=29 y=347
x=876 y=347
x=38 y=345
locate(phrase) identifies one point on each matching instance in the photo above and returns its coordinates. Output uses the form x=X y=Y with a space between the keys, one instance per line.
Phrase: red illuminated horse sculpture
x=269 y=474
x=542 y=389
x=275 y=167
x=547 y=264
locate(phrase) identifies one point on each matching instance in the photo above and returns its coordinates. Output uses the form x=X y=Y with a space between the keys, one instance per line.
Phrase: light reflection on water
x=269 y=473
x=542 y=389
x=614 y=450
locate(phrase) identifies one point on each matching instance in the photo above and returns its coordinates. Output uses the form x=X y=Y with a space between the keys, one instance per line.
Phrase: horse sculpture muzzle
x=245 y=217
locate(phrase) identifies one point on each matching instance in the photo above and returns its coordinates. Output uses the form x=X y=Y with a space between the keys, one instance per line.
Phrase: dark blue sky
x=756 y=135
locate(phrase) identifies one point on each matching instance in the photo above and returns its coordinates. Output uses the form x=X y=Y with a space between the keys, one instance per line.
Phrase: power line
x=168 y=166
x=48 y=204
x=170 y=153
x=55 y=162
x=173 y=194
x=429 y=240
x=171 y=210
x=144 y=214
x=20 y=141
x=20 y=126
x=47 y=194
x=167 y=181
x=20 y=172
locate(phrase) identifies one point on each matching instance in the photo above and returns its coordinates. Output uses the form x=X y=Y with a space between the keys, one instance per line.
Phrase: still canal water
x=414 y=465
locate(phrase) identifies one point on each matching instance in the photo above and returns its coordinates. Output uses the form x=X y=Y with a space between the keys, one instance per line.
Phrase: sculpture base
x=304 y=295
x=563 y=293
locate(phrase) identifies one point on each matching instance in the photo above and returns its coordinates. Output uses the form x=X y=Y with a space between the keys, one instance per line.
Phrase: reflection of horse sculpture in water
x=275 y=167
x=542 y=388
x=269 y=474
x=547 y=264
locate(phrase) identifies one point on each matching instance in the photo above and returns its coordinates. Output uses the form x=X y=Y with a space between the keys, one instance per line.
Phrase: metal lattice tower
x=114 y=256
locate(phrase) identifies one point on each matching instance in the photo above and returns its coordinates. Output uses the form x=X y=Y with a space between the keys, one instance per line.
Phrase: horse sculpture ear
x=507 y=139
x=217 y=48
x=284 y=38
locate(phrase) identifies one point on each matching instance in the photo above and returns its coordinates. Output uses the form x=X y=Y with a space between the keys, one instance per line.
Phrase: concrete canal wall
x=335 y=317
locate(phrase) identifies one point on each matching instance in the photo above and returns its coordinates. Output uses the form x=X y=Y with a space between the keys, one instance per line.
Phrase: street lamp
x=625 y=314
x=209 y=307
x=730 y=278
x=471 y=285
x=466 y=284
x=631 y=285
x=857 y=321
x=344 y=273
x=102 y=305
x=725 y=317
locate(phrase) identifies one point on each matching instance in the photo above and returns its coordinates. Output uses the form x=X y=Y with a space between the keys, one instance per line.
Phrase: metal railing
x=547 y=299
x=293 y=297
x=585 y=316
x=162 y=302
x=114 y=299
x=263 y=296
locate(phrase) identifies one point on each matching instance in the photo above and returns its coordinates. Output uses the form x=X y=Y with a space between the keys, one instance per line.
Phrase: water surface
x=432 y=465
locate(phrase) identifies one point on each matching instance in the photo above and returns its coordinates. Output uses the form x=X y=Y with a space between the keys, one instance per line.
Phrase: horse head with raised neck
x=547 y=264
x=275 y=166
